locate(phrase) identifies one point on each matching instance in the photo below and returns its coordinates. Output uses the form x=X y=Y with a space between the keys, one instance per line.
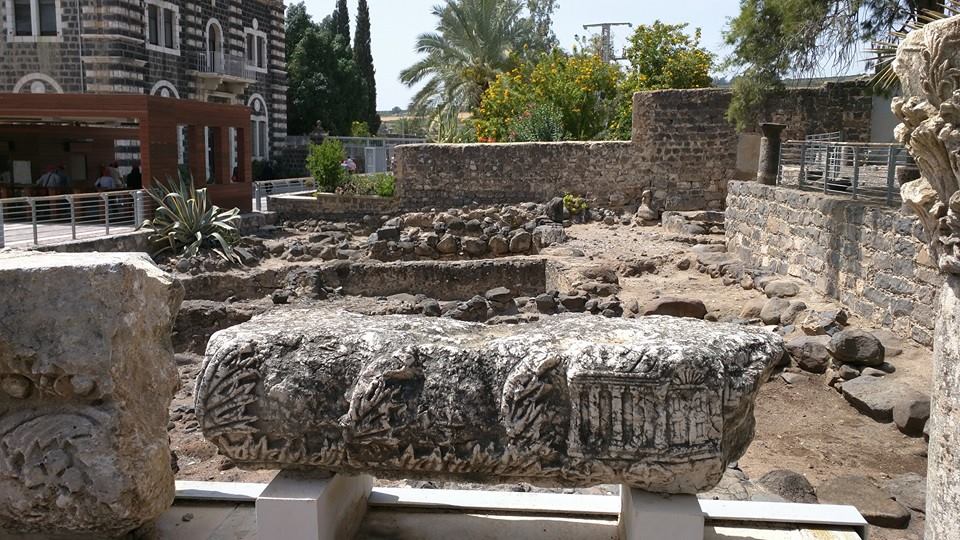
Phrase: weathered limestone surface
x=86 y=377
x=658 y=403
x=928 y=64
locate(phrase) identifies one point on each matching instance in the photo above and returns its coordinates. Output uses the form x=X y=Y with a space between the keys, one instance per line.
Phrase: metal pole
x=137 y=208
x=856 y=170
x=891 y=173
x=106 y=211
x=33 y=220
x=803 y=165
x=826 y=166
x=256 y=195
x=1 y=224
x=73 y=217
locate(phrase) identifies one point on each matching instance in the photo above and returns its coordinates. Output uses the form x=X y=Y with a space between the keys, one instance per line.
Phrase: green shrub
x=185 y=222
x=359 y=129
x=325 y=165
x=385 y=185
x=381 y=184
x=540 y=123
x=574 y=204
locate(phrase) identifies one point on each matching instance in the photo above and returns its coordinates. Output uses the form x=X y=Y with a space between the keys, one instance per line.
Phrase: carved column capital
x=928 y=65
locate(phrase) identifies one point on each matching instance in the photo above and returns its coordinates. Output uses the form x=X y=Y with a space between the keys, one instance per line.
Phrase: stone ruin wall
x=683 y=149
x=865 y=255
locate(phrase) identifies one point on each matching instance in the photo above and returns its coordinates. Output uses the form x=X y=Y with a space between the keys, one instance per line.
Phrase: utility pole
x=607 y=39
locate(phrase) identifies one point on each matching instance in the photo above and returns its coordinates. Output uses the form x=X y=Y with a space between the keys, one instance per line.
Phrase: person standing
x=135 y=178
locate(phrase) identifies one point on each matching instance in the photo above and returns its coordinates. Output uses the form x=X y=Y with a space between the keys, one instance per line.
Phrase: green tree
x=324 y=84
x=341 y=20
x=775 y=38
x=297 y=23
x=661 y=56
x=581 y=88
x=324 y=163
x=473 y=42
x=363 y=56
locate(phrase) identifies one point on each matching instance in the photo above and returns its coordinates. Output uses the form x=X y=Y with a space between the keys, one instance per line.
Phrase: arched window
x=37 y=83
x=165 y=89
x=214 y=44
x=259 y=120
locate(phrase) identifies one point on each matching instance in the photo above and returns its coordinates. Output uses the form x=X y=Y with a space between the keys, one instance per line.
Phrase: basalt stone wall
x=330 y=206
x=683 y=149
x=866 y=256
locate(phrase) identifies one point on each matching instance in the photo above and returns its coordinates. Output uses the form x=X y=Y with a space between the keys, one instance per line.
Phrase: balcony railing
x=225 y=64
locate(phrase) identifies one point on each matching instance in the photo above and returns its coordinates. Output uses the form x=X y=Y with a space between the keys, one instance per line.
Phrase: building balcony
x=222 y=76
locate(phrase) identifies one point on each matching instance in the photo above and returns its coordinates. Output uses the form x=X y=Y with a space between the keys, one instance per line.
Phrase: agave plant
x=185 y=222
x=885 y=52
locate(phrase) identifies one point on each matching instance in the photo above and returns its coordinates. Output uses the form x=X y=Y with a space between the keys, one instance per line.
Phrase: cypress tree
x=341 y=20
x=363 y=57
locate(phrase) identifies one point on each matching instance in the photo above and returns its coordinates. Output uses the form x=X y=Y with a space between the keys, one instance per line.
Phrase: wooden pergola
x=155 y=122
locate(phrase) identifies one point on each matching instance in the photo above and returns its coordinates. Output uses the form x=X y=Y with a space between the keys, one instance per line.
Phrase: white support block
x=649 y=516
x=303 y=507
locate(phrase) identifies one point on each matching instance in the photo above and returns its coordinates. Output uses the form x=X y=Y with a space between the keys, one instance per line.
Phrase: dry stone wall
x=683 y=149
x=867 y=256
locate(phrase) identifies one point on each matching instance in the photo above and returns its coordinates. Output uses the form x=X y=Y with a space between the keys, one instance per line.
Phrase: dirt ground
x=806 y=427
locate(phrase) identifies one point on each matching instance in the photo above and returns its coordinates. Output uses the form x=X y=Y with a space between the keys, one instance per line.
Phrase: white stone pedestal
x=303 y=507
x=649 y=516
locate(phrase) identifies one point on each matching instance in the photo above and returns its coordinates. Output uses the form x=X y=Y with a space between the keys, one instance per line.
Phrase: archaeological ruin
x=694 y=332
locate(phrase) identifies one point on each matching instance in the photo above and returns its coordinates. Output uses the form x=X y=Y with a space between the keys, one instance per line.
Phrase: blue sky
x=396 y=23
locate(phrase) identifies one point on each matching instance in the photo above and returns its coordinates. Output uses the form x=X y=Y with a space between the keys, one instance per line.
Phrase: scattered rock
x=789 y=485
x=773 y=309
x=911 y=414
x=909 y=490
x=575 y=304
x=753 y=308
x=824 y=323
x=676 y=307
x=555 y=210
x=872 y=372
x=781 y=289
x=430 y=307
x=793 y=311
x=684 y=264
x=546 y=303
x=549 y=235
x=521 y=242
x=388 y=234
x=474 y=246
x=848 y=372
x=499 y=294
x=448 y=245
x=874 y=504
x=876 y=397
x=855 y=346
x=499 y=246
x=793 y=378
x=810 y=353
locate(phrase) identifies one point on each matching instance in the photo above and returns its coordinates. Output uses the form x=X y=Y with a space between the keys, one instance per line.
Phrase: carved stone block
x=86 y=378
x=658 y=403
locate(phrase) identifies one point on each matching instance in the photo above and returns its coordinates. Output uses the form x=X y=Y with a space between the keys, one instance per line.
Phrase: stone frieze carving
x=928 y=64
x=661 y=404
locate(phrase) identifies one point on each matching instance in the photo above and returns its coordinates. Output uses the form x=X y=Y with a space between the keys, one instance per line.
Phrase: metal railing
x=833 y=136
x=225 y=64
x=859 y=170
x=263 y=190
x=26 y=221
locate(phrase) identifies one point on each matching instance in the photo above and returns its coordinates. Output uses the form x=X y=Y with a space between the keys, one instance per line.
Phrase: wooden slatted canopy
x=154 y=121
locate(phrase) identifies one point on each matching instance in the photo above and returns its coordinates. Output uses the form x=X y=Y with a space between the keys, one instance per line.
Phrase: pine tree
x=341 y=19
x=363 y=57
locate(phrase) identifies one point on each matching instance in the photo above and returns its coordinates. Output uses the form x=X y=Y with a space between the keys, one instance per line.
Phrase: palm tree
x=474 y=41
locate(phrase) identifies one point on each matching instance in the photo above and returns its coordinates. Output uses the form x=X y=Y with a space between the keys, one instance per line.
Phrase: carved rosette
x=928 y=64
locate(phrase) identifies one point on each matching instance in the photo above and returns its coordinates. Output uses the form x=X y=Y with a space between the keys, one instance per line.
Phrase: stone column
x=928 y=65
x=86 y=379
x=769 y=153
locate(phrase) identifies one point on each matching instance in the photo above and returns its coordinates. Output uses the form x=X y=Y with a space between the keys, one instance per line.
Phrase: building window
x=256 y=44
x=163 y=21
x=33 y=19
x=258 y=128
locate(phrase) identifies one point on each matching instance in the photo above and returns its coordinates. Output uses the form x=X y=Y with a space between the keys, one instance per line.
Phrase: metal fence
x=263 y=190
x=858 y=170
x=26 y=221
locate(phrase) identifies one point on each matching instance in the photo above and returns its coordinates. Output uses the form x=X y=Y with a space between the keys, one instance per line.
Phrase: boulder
x=752 y=309
x=823 y=323
x=443 y=400
x=877 y=396
x=793 y=311
x=498 y=245
x=911 y=414
x=448 y=245
x=555 y=210
x=388 y=234
x=781 y=288
x=499 y=294
x=675 y=307
x=773 y=309
x=791 y=486
x=474 y=247
x=521 y=242
x=87 y=375
x=573 y=303
x=909 y=490
x=810 y=353
x=876 y=506
x=549 y=235
x=546 y=303
x=855 y=346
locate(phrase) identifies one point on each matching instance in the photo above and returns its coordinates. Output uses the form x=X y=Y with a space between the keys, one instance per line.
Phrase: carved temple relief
x=928 y=65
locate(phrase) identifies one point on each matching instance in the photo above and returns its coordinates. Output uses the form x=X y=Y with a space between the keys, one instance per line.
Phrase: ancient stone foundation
x=86 y=378
x=661 y=404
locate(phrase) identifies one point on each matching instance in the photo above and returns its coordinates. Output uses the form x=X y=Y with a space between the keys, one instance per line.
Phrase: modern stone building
x=219 y=51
